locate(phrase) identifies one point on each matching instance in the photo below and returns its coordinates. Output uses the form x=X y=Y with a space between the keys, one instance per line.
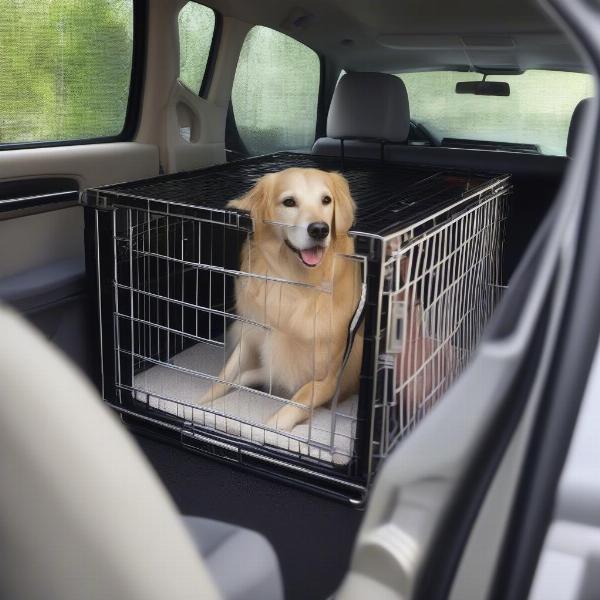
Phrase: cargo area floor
x=312 y=535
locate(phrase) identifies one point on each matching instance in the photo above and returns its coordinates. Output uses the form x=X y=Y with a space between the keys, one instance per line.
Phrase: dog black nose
x=318 y=230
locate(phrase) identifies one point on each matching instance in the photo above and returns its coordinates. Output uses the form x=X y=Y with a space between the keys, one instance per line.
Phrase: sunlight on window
x=538 y=110
x=65 y=69
x=275 y=92
x=196 y=29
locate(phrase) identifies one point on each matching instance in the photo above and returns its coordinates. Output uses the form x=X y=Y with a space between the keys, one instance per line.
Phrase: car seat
x=83 y=515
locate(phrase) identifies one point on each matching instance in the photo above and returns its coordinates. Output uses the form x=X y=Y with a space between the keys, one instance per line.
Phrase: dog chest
x=289 y=363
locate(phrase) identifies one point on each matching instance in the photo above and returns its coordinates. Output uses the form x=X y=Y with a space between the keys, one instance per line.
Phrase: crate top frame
x=389 y=197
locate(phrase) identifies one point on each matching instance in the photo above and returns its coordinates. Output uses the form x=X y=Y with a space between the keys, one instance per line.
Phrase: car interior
x=89 y=498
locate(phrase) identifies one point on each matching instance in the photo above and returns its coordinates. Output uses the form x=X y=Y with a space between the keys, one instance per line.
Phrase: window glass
x=196 y=29
x=275 y=92
x=65 y=69
x=538 y=110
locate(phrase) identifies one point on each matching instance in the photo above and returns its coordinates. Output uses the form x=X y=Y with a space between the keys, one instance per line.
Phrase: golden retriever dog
x=301 y=221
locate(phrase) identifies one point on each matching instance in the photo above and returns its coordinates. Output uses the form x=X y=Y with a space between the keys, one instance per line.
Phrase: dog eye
x=327 y=200
x=289 y=202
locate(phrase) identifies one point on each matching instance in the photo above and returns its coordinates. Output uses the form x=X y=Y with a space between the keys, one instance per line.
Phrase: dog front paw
x=216 y=391
x=286 y=418
x=205 y=399
x=211 y=395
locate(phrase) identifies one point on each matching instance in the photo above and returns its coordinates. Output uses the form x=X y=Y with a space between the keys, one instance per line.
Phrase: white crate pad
x=243 y=413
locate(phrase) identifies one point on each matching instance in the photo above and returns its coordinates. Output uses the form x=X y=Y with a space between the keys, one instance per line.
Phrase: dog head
x=307 y=210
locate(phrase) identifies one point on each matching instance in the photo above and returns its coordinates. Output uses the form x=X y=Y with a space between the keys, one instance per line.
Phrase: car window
x=538 y=110
x=275 y=92
x=65 y=69
x=196 y=30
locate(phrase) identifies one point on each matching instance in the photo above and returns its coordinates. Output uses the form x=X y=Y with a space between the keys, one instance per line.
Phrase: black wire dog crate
x=164 y=255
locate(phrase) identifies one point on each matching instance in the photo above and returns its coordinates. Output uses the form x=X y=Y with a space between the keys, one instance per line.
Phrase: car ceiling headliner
x=403 y=35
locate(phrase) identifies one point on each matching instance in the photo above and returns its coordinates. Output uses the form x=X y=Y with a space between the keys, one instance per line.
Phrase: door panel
x=42 y=264
x=91 y=164
x=33 y=241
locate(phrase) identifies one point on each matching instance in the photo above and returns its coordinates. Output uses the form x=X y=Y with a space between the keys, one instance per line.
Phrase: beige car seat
x=82 y=514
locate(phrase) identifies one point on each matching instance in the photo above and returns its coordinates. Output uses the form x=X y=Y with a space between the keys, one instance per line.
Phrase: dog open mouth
x=310 y=257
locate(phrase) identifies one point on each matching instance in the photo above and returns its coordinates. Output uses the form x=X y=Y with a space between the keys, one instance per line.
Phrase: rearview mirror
x=483 y=88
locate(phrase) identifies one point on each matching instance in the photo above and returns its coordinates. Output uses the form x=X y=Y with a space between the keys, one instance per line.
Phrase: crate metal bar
x=208 y=409
x=232 y=272
x=189 y=305
x=215 y=379
x=178 y=332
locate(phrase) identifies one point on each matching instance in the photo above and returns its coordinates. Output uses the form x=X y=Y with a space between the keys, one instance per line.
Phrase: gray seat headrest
x=576 y=120
x=369 y=106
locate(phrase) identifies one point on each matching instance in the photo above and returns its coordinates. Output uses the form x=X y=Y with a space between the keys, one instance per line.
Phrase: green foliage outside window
x=196 y=28
x=275 y=92
x=65 y=68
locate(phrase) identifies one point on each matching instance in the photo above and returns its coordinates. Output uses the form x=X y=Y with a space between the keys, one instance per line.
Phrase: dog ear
x=343 y=206
x=256 y=200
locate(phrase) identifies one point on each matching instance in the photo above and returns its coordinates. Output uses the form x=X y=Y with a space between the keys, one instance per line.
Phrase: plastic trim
x=213 y=53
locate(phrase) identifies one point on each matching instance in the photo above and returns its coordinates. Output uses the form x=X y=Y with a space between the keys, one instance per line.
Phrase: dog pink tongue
x=312 y=256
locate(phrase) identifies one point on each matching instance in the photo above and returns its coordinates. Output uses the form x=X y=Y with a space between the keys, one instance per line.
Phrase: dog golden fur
x=301 y=221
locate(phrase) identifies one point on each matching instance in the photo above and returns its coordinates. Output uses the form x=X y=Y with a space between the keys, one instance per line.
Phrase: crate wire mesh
x=438 y=290
x=428 y=248
x=158 y=292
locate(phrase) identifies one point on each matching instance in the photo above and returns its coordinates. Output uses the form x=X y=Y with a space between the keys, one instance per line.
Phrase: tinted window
x=65 y=69
x=275 y=92
x=196 y=29
x=538 y=110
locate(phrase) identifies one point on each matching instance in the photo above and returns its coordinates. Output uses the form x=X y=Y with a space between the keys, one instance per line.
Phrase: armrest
x=37 y=288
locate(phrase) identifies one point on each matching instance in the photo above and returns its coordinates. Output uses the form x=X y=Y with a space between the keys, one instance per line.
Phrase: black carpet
x=313 y=536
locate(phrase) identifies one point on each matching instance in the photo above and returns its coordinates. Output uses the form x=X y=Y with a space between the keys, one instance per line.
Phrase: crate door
x=171 y=290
